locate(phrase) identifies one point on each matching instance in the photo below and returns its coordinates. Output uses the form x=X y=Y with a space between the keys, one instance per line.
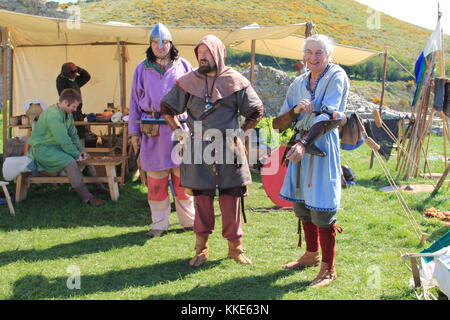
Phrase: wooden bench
x=24 y=180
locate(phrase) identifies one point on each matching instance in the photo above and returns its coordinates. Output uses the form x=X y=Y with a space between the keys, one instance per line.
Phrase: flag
x=434 y=44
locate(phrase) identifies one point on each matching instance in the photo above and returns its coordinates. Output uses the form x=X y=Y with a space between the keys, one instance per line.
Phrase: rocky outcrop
x=272 y=84
x=35 y=7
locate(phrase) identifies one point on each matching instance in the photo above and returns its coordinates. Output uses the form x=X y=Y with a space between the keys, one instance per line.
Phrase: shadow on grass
x=74 y=249
x=437 y=234
x=375 y=183
x=40 y=287
x=256 y=177
x=436 y=200
x=253 y=287
x=245 y=288
x=48 y=207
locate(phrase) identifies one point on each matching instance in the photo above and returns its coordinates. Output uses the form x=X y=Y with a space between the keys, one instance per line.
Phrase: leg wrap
x=311 y=236
x=177 y=190
x=73 y=173
x=158 y=188
x=328 y=245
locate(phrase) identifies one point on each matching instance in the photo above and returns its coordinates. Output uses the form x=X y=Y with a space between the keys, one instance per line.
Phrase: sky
x=419 y=12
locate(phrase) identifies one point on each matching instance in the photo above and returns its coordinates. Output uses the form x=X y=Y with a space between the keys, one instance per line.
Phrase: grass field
x=54 y=237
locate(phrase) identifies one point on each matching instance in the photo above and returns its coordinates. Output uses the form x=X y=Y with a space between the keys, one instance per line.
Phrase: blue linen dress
x=320 y=177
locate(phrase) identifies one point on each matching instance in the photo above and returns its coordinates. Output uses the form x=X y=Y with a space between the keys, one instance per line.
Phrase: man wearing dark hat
x=214 y=96
x=74 y=77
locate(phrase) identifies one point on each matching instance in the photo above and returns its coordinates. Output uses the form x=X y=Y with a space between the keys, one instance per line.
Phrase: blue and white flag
x=434 y=44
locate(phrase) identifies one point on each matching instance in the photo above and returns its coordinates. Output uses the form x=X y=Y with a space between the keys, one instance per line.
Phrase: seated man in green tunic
x=55 y=146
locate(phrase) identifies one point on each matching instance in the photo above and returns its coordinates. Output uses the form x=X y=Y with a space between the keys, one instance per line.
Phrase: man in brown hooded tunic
x=214 y=97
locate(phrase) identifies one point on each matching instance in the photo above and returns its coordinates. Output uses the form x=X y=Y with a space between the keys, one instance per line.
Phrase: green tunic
x=54 y=142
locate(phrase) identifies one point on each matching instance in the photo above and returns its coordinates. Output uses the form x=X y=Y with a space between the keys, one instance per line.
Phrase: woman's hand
x=304 y=106
x=296 y=153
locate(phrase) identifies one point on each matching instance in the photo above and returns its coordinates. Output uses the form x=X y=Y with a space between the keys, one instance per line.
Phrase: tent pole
x=384 y=78
x=308 y=33
x=4 y=89
x=124 y=77
x=441 y=55
x=123 y=82
x=121 y=73
x=252 y=62
x=382 y=96
x=11 y=78
x=119 y=51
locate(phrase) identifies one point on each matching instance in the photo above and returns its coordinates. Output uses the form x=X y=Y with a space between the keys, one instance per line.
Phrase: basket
x=15 y=120
x=102 y=119
x=90 y=142
x=109 y=141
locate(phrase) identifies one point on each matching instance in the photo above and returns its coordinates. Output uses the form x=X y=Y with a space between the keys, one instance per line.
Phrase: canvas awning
x=110 y=53
x=291 y=47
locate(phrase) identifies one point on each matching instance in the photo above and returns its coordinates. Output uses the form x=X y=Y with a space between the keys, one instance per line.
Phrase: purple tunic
x=148 y=88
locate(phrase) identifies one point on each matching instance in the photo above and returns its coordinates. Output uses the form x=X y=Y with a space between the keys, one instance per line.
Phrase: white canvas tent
x=111 y=52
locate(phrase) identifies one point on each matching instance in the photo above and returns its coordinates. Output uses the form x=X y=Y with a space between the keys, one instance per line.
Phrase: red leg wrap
x=158 y=188
x=179 y=191
x=311 y=236
x=328 y=245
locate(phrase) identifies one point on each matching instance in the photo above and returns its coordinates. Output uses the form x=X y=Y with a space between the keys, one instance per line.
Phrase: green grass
x=52 y=230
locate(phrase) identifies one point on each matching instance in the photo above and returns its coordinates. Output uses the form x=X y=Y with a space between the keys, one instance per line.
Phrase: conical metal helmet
x=160 y=33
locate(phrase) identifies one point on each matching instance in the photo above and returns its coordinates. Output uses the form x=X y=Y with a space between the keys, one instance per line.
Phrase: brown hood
x=228 y=80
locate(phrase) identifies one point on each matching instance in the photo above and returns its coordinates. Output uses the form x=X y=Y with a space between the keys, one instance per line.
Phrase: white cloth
x=26 y=105
x=13 y=166
x=442 y=271
x=161 y=211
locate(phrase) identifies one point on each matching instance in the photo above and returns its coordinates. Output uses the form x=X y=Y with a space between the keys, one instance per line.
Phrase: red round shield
x=272 y=174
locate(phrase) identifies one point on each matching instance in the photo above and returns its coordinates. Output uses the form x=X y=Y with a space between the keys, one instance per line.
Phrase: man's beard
x=206 y=68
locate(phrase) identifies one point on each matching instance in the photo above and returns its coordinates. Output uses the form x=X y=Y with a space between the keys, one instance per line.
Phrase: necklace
x=208 y=94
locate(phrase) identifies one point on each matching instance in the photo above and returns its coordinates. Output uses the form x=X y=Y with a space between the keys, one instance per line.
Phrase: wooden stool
x=8 y=198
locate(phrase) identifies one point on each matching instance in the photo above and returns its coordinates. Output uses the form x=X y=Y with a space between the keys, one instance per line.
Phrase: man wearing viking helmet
x=153 y=77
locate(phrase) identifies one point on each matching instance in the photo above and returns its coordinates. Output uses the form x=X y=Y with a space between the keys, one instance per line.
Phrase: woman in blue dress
x=314 y=106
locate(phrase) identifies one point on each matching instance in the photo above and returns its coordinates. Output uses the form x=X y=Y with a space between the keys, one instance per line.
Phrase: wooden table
x=111 y=130
x=109 y=162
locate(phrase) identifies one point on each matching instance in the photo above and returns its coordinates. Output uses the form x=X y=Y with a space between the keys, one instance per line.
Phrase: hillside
x=347 y=21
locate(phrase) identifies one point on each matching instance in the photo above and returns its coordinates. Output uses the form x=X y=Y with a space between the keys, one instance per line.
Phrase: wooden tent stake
x=442 y=179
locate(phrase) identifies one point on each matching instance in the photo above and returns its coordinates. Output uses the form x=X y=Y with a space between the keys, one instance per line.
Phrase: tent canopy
x=291 y=47
x=110 y=53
